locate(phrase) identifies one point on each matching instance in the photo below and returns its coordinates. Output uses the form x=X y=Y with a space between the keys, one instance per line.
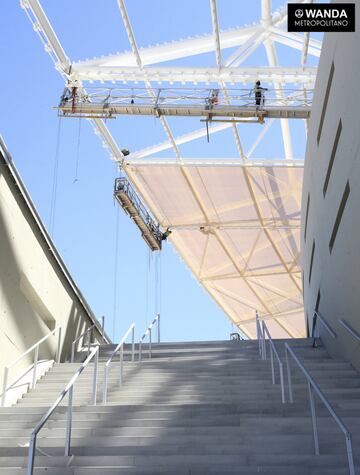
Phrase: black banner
x=321 y=17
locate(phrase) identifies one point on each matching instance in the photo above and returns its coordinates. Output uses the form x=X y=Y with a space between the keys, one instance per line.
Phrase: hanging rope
x=160 y=283
x=156 y=291
x=147 y=288
x=55 y=180
x=76 y=179
x=116 y=258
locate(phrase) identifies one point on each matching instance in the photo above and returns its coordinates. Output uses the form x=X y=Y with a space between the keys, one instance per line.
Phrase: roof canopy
x=237 y=228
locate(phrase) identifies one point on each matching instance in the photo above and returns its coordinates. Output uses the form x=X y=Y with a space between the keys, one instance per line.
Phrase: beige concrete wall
x=332 y=173
x=36 y=291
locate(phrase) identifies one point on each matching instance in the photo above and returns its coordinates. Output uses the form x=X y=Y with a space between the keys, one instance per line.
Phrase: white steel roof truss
x=271 y=186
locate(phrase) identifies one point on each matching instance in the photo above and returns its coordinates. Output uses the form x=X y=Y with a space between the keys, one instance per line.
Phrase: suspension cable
x=116 y=258
x=76 y=179
x=55 y=180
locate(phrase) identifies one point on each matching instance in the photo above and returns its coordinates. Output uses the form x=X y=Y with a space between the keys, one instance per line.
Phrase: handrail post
x=272 y=365
x=281 y=368
x=58 y=354
x=96 y=364
x=149 y=342
x=291 y=400
x=36 y=357
x=313 y=419
x=158 y=327
x=69 y=422
x=102 y=326
x=121 y=363
x=258 y=333
x=31 y=459
x=72 y=351
x=263 y=342
x=133 y=344
x=5 y=380
x=89 y=341
x=349 y=452
x=140 y=350
x=105 y=388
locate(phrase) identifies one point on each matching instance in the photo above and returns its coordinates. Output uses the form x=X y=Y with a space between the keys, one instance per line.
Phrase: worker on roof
x=213 y=99
x=259 y=95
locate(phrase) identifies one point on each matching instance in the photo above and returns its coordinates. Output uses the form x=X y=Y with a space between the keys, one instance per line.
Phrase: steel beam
x=230 y=75
x=210 y=162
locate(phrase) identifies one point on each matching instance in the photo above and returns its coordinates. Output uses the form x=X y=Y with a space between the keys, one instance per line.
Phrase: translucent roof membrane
x=237 y=228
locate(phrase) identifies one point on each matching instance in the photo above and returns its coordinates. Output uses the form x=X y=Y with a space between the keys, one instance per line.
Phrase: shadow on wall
x=16 y=311
x=24 y=317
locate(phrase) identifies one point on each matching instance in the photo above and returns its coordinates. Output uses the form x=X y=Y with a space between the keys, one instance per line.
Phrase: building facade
x=331 y=199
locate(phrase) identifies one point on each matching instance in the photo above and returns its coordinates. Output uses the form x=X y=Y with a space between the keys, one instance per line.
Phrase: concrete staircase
x=194 y=408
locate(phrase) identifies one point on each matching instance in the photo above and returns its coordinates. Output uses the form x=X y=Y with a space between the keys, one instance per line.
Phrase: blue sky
x=85 y=215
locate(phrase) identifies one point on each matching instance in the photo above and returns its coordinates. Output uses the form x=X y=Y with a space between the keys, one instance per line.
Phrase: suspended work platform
x=132 y=205
x=212 y=104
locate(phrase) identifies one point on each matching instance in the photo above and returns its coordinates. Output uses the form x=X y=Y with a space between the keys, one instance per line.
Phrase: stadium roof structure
x=235 y=222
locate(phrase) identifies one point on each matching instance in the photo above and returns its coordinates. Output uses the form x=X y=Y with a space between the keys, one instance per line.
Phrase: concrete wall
x=36 y=291
x=331 y=195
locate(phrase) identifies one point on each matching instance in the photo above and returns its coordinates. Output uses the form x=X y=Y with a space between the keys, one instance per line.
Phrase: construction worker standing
x=259 y=95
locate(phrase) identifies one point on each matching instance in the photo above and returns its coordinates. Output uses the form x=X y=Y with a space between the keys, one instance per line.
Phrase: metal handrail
x=259 y=337
x=313 y=387
x=120 y=347
x=90 y=332
x=69 y=388
x=352 y=332
x=148 y=331
x=322 y=320
x=35 y=348
x=273 y=351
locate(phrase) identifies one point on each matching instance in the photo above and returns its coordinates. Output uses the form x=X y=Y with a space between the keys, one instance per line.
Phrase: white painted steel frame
x=266 y=32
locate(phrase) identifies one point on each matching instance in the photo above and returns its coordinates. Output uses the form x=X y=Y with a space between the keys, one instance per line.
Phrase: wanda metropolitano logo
x=321 y=17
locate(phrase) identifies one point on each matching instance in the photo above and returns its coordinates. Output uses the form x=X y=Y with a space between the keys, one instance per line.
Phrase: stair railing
x=259 y=337
x=69 y=389
x=90 y=336
x=273 y=351
x=35 y=349
x=148 y=331
x=120 y=348
x=314 y=388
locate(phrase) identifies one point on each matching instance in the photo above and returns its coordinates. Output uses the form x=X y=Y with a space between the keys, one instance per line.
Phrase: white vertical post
x=4 y=388
x=30 y=466
x=149 y=342
x=102 y=326
x=140 y=350
x=96 y=363
x=36 y=357
x=69 y=422
x=272 y=364
x=89 y=341
x=72 y=351
x=105 y=383
x=282 y=383
x=58 y=354
x=291 y=400
x=313 y=419
x=121 y=363
x=263 y=341
x=158 y=327
x=133 y=344
x=350 y=454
